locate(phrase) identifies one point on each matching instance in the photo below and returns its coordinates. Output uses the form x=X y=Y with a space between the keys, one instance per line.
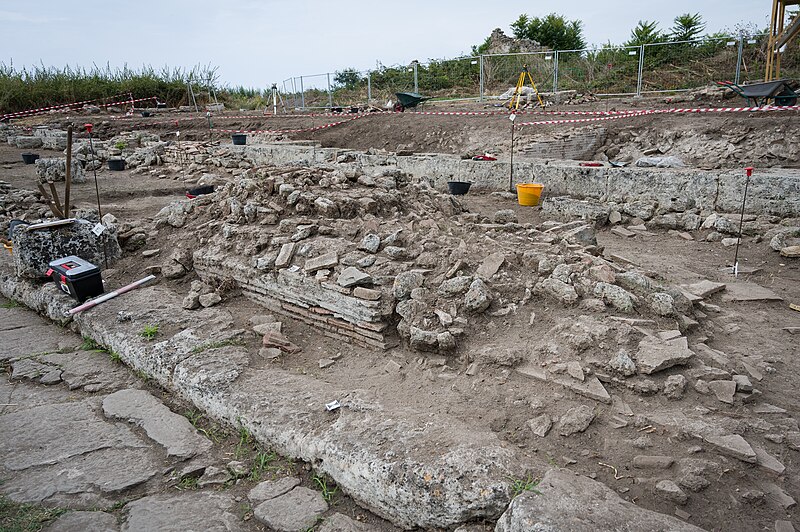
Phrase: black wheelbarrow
x=782 y=91
x=408 y=100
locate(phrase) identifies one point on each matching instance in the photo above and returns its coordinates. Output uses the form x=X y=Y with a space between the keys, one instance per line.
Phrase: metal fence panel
x=605 y=71
x=502 y=71
x=687 y=65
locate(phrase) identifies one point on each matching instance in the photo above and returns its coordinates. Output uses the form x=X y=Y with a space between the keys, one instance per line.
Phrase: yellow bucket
x=8 y=247
x=528 y=194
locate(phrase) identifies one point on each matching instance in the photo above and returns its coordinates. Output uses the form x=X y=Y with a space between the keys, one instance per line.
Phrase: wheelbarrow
x=409 y=100
x=782 y=91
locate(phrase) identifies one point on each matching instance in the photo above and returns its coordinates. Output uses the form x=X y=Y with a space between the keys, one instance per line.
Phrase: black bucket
x=12 y=225
x=30 y=158
x=145 y=114
x=199 y=191
x=458 y=188
x=161 y=105
x=239 y=139
x=116 y=165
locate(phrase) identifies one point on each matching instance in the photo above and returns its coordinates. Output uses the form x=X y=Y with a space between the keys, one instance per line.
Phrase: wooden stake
x=56 y=200
x=49 y=201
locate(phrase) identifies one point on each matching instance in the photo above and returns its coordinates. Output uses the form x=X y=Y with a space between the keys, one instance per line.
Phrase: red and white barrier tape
x=64 y=106
x=688 y=110
x=281 y=131
x=578 y=120
x=68 y=107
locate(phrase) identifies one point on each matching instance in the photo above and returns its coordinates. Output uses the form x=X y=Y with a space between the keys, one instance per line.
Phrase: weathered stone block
x=35 y=249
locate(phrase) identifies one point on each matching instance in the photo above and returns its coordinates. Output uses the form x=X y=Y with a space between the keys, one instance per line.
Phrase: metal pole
x=555 y=75
x=739 y=58
x=511 y=166
x=302 y=95
x=330 y=95
x=641 y=71
x=97 y=189
x=369 y=87
x=748 y=172
x=481 y=80
x=416 y=80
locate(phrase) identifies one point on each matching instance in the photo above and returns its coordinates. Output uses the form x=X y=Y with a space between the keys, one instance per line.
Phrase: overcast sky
x=258 y=42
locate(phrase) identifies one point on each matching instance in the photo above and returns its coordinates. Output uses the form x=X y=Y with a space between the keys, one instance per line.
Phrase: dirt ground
x=500 y=399
x=705 y=140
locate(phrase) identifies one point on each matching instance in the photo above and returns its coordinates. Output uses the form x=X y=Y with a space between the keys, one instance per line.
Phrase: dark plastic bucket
x=239 y=139
x=116 y=165
x=145 y=114
x=458 y=188
x=30 y=158
x=161 y=105
x=199 y=191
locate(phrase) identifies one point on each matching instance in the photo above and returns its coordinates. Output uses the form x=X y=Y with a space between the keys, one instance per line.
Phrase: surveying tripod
x=514 y=103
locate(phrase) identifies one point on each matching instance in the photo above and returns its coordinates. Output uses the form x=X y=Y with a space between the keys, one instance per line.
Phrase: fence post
x=555 y=75
x=739 y=58
x=641 y=71
x=302 y=95
x=416 y=80
x=330 y=95
x=480 y=82
x=369 y=87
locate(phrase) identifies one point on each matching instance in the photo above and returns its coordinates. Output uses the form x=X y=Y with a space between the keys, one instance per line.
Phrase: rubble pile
x=20 y=204
x=706 y=148
x=362 y=255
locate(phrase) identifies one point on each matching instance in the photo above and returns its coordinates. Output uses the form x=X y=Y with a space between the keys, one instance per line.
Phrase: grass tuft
x=16 y=517
x=520 y=486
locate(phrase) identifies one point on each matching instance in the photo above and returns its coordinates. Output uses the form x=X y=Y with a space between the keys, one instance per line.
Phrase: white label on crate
x=98 y=229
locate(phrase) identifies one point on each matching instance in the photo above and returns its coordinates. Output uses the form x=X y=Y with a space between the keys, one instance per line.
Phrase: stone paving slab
x=36 y=436
x=170 y=430
x=299 y=509
x=207 y=512
x=85 y=481
x=84 y=522
x=29 y=340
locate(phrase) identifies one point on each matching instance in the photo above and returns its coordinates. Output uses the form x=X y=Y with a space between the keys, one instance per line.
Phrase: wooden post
x=68 y=184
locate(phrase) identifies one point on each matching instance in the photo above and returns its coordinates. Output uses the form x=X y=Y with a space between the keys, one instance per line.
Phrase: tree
x=483 y=48
x=347 y=78
x=553 y=31
x=645 y=32
x=687 y=27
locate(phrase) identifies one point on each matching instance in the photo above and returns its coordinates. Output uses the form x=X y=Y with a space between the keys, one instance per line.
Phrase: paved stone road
x=80 y=431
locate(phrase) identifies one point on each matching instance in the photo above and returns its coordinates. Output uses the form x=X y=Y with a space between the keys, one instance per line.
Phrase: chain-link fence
x=604 y=71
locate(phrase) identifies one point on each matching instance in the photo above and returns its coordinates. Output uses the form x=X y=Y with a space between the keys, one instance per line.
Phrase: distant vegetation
x=670 y=63
x=41 y=86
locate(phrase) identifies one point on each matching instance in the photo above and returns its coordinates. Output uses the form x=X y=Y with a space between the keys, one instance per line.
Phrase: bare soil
x=499 y=399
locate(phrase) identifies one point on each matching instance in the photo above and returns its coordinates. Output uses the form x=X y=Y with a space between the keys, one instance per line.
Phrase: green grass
x=39 y=86
x=520 y=486
x=11 y=303
x=90 y=345
x=15 y=517
x=328 y=491
x=245 y=440
x=187 y=483
x=149 y=332
x=262 y=462
x=210 y=430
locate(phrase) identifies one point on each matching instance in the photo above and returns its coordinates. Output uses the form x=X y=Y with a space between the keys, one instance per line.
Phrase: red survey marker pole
x=749 y=172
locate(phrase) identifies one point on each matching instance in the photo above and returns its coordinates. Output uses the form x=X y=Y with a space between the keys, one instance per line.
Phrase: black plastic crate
x=77 y=277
